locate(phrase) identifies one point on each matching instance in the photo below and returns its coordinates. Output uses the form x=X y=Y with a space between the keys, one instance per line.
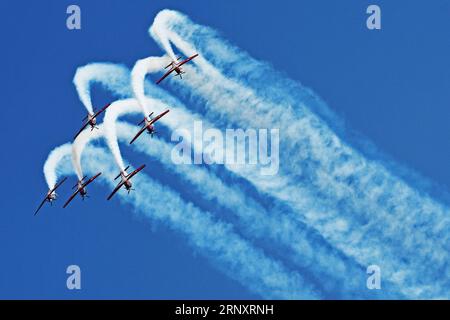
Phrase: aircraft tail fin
x=76 y=184
x=121 y=173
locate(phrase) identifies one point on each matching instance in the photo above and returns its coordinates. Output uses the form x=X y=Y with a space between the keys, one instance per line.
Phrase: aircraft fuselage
x=51 y=196
x=83 y=191
x=92 y=121
x=150 y=129
x=127 y=182
x=178 y=70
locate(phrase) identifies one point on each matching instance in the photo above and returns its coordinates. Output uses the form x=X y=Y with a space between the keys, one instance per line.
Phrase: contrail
x=128 y=106
x=330 y=266
x=122 y=107
x=216 y=240
x=51 y=164
x=114 y=77
x=335 y=273
x=333 y=187
x=211 y=187
x=179 y=118
x=356 y=203
x=140 y=69
x=80 y=143
x=160 y=36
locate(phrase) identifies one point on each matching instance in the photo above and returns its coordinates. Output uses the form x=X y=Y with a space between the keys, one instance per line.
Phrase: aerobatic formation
x=91 y=121
x=312 y=230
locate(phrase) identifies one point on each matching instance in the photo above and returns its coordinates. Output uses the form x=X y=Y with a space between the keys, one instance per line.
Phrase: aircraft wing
x=166 y=75
x=71 y=197
x=135 y=172
x=139 y=133
x=57 y=185
x=187 y=60
x=81 y=130
x=158 y=117
x=79 y=189
x=50 y=192
x=102 y=109
x=119 y=185
x=91 y=179
x=40 y=206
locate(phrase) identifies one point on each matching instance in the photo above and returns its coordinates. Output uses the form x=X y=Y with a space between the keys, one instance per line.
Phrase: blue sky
x=389 y=85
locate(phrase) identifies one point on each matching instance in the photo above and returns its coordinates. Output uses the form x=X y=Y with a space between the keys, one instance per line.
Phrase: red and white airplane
x=125 y=180
x=176 y=66
x=149 y=125
x=81 y=188
x=51 y=195
x=91 y=119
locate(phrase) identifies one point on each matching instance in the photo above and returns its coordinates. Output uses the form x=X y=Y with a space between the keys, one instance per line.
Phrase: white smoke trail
x=51 y=164
x=115 y=77
x=337 y=274
x=80 y=143
x=298 y=243
x=159 y=34
x=232 y=254
x=60 y=153
x=138 y=73
x=364 y=192
x=213 y=188
x=131 y=106
x=182 y=117
x=341 y=222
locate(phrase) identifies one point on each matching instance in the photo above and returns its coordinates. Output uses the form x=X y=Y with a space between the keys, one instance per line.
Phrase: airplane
x=125 y=180
x=51 y=195
x=81 y=188
x=176 y=66
x=148 y=125
x=91 y=119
